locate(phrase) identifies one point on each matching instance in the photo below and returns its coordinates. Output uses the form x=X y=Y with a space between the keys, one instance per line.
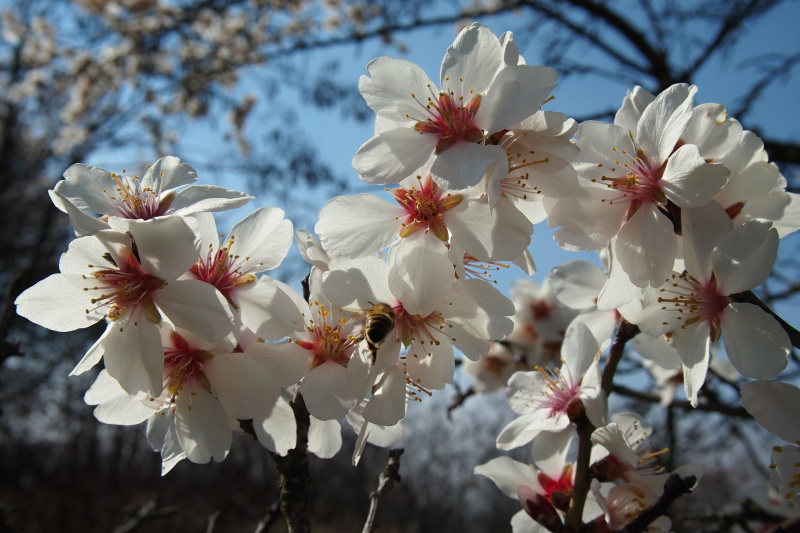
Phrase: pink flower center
x=695 y=301
x=329 y=341
x=425 y=207
x=636 y=180
x=223 y=270
x=560 y=393
x=134 y=201
x=183 y=364
x=125 y=289
x=450 y=119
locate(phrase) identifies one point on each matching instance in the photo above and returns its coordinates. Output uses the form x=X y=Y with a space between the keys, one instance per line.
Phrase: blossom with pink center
x=696 y=304
x=539 y=152
x=119 y=199
x=434 y=311
x=207 y=388
x=484 y=90
x=544 y=489
x=631 y=174
x=325 y=353
x=547 y=399
x=257 y=243
x=363 y=224
x=130 y=282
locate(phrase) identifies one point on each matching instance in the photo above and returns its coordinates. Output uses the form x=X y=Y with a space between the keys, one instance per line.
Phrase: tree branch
x=386 y=481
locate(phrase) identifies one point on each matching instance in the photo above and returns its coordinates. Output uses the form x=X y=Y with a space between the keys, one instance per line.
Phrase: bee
x=379 y=323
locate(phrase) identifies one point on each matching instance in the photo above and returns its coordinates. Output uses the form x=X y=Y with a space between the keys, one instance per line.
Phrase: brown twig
x=675 y=487
x=386 y=481
x=148 y=511
x=295 y=477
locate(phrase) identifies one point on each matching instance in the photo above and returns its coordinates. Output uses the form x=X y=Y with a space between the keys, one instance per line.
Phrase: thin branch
x=674 y=488
x=386 y=481
x=148 y=511
x=295 y=477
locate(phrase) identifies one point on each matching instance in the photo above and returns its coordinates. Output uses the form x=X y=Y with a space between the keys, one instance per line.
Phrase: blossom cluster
x=680 y=201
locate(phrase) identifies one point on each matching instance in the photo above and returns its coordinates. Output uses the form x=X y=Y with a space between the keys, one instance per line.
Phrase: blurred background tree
x=247 y=91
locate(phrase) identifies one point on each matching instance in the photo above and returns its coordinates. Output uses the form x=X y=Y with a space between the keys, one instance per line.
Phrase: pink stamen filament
x=694 y=302
x=425 y=208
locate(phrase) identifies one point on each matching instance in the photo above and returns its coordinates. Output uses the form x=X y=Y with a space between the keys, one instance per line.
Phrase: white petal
x=93 y=354
x=197 y=306
x=270 y=309
x=326 y=391
x=85 y=187
x=288 y=362
x=664 y=120
x=754 y=341
x=420 y=274
x=498 y=234
x=577 y=283
x=693 y=345
x=358 y=225
x=171 y=172
x=393 y=155
x=395 y=88
x=114 y=405
x=689 y=181
x=464 y=164
x=472 y=61
x=245 y=386
x=703 y=228
x=771 y=404
x=57 y=304
x=81 y=222
x=521 y=522
x=166 y=247
x=431 y=365
x=744 y=257
x=202 y=426
x=516 y=93
x=508 y=475
x=211 y=198
x=277 y=432
x=524 y=429
x=264 y=237
x=134 y=356
x=646 y=247
x=387 y=406
x=324 y=438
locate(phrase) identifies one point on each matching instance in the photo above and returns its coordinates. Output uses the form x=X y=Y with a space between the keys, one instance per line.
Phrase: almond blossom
x=257 y=243
x=363 y=224
x=483 y=90
x=129 y=281
x=547 y=399
x=119 y=198
x=630 y=171
x=207 y=389
x=697 y=304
